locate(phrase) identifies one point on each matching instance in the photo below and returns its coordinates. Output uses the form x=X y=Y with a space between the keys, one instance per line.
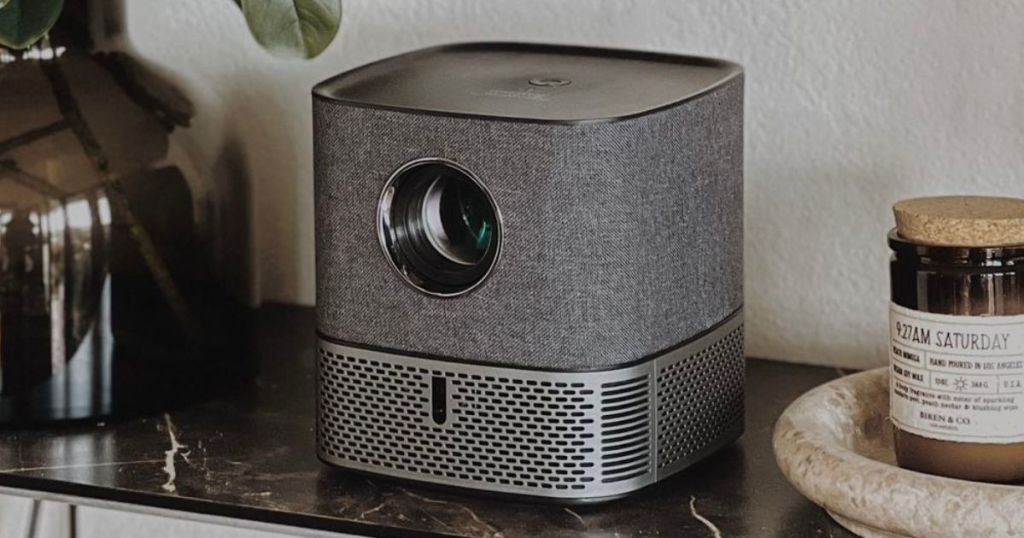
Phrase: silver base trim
x=561 y=435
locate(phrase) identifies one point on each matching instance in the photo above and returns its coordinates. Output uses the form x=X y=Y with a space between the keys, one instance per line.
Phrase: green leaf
x=23 y=22
x=293 y=28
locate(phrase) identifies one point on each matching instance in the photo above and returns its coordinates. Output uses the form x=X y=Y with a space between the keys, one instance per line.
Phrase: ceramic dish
x=834 y=444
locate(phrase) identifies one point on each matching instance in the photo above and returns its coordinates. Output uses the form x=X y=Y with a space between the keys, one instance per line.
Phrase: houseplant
x=289 y=28
x=107 y=297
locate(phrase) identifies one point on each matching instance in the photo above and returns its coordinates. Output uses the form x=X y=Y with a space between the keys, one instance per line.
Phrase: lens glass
x=439 y=227
x=460 y=221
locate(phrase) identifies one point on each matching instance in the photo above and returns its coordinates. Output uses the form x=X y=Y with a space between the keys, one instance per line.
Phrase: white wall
x=850 y=106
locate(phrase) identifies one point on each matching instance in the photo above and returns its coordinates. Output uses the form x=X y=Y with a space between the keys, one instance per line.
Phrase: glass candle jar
x=957 y=359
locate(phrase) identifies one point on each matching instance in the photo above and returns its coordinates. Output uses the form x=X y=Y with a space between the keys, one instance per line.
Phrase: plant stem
x=119 y=202
x=117 y=65
x=31 y=181
x=31 y=136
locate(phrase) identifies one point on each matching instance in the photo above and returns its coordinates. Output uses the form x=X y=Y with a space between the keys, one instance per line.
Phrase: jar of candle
x=957 y=336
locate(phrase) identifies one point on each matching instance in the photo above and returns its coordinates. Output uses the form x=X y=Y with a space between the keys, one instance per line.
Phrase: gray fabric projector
x=529 y=267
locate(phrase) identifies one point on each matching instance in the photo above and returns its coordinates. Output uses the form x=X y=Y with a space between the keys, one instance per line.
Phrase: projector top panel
x=527 y=82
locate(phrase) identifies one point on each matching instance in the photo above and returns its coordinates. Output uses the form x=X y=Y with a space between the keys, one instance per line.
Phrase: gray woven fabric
x=621 y=239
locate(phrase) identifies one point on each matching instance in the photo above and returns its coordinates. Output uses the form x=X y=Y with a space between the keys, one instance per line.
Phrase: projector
x=529 y=267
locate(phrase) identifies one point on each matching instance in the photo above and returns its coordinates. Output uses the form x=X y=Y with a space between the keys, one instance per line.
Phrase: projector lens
x=439 y=227
x=459 y=220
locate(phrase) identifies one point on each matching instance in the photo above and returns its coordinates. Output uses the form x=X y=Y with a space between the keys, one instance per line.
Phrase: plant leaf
x=23 y=22
x=293 y=28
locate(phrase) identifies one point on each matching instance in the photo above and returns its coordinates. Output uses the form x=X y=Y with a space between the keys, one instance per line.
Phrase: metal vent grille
x=700 y=400
x=500 y=431
x=573 y=435
x=625 y=429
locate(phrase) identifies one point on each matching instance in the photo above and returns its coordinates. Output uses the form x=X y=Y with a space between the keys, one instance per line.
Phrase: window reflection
x=103 y=209
x=79 y=214
x=52 y=275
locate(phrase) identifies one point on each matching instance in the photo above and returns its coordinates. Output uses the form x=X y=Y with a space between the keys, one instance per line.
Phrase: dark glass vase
x=108 y=305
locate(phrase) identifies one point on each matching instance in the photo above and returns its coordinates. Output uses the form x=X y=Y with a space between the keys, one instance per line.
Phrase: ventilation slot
x=497 y=432
x=625 y=429
x=700 y=400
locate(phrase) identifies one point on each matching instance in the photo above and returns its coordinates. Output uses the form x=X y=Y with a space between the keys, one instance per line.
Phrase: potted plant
x=100 y=238
x=289 y=28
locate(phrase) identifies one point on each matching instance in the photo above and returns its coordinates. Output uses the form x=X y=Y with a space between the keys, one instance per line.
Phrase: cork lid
x=968 y=221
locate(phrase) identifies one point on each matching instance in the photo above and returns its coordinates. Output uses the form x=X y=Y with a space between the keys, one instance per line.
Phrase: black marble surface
x=250 y=454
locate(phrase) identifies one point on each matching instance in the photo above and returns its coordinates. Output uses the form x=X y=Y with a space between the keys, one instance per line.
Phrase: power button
x=439 y=399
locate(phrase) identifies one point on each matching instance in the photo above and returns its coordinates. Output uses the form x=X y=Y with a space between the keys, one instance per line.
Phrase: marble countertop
x=249 y=455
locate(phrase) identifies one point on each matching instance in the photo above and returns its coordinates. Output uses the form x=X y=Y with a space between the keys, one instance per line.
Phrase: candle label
x=957 y=378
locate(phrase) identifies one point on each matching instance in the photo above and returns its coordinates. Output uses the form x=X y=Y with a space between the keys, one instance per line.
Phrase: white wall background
x=850 y=106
